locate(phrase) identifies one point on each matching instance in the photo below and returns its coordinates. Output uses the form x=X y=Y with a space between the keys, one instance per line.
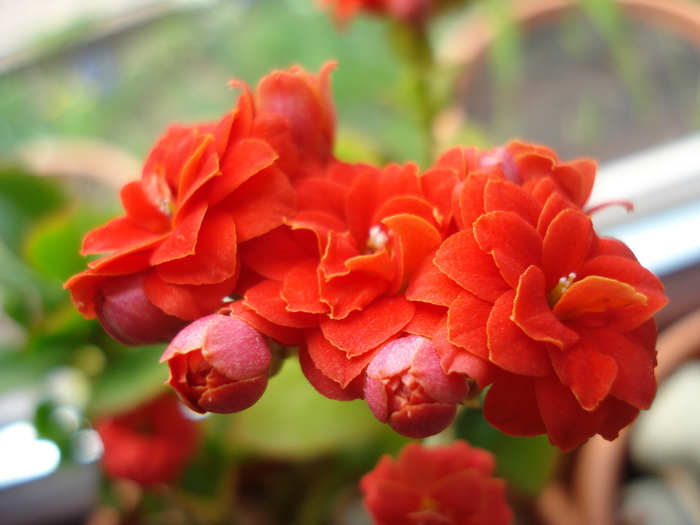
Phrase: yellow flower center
x=562 y=286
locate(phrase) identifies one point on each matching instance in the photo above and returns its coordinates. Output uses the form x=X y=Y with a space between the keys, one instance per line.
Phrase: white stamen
x=377 y=237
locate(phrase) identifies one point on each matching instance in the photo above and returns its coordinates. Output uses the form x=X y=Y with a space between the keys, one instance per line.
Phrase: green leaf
x=132 y=377
x=293 y=420
x=53 y=244
x=23 y=199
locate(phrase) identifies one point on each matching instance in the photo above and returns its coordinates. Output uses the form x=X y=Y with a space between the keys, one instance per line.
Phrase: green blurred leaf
x=129 y=378
x=23 y=199
x=527 y=463
x=293 y=420
x=53 y=244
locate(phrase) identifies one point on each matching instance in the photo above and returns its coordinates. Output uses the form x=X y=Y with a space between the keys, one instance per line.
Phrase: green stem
x=413 y=44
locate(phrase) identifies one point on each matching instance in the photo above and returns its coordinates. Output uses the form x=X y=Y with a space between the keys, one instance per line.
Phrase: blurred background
x=87 y=87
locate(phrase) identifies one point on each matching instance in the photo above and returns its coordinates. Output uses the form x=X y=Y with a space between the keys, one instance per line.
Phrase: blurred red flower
x=204 y=190
x=150 y=444
x=411 y=11
x=450 y=484
x=566 y=316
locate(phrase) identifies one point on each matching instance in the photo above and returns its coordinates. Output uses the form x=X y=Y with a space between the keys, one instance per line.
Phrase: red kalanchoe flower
x=219 y=364
x=150 y=444
x=204 y=190
x=565 y=315
x=338 y=271
x=407 y=388
x=447 y=485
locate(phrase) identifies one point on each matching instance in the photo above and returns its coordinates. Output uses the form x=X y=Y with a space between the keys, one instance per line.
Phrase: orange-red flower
x=150 y=444
x=566 y=316
x=339 y=268
x=451 y=484
x=204 y=190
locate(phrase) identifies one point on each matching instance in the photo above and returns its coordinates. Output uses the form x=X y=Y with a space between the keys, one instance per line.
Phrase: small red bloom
x=410 y=11
x=219 y=364
x=150 y=444
x=450 y=485
x=407 y=388
x=565 y=315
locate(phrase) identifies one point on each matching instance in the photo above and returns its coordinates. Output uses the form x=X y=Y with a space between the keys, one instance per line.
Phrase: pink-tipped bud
x=219 y=364
x=128 y=315
x=407 y=388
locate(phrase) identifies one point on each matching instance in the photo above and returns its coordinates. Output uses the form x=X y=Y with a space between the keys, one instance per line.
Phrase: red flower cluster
x=397 y=287
x=150 y=444
x=451 y=485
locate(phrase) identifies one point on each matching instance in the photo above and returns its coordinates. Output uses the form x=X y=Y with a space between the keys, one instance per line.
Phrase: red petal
x=240 y=162
x=635 y=382
x=532 y=314
x=513 y=242
x=632 y=273
x=618 y=415
x=214 y=259
x=301 y=289
x=459 y=360
x=120 y=234
x=414 y=238
x=511 y=406
x=141 y=202
x=506 y=196
x=261 y=203
x=566 y=245
x=450 y=492
x=554 y=204
x=471 y=199
x=265 y=298
x=466 y=323
x=425 y=319
x=284 y=335
x=463 y=261
x=273 y=254
x=365 y=329
x=428 y=284
x=186 y=302
x=350 y=293
x=324 y=384
x=509 y=347
x=568 y=425
x=334 y=362
x=182 y=241
x=598 y=301
x=586 y=371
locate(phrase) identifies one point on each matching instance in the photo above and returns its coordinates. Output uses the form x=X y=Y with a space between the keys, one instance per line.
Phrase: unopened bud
x=219 y=364
x=128 y=315
x=407 y=388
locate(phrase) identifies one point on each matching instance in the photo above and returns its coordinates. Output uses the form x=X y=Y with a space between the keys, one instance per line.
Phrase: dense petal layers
x=555 y=308
x=204 y=190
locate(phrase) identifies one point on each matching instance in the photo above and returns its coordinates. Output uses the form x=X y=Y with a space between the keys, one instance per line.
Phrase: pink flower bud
x=407 y=388
x=129 y=316
x=219 y=364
